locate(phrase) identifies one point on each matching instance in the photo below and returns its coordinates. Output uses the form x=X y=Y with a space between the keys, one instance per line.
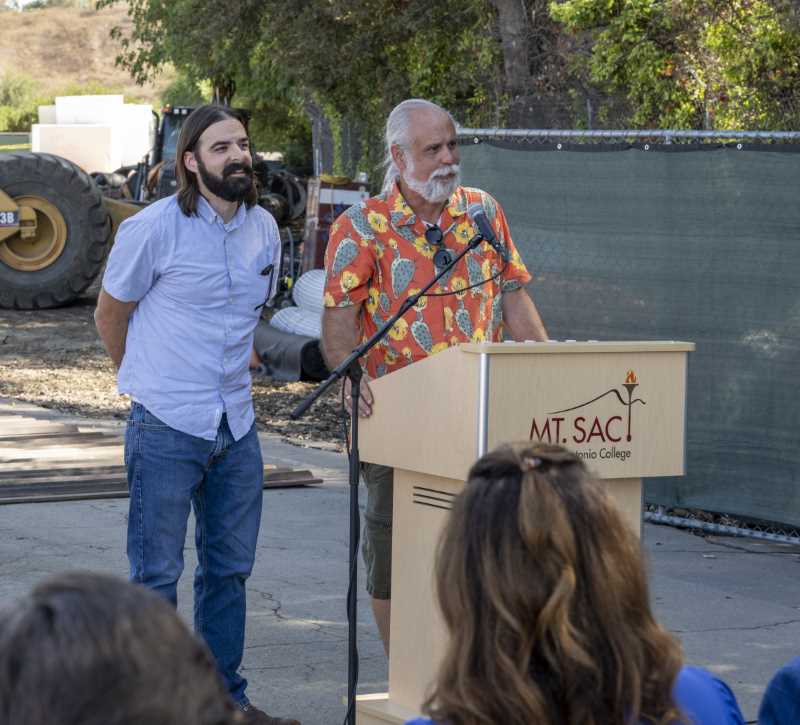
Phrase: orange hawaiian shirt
x=377 y=255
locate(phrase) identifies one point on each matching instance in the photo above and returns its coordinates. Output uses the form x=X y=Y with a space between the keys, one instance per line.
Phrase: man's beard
x=227 y=186
x=435 y=190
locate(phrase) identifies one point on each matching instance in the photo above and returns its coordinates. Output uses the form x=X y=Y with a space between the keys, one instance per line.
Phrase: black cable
x=477 y=284
x=345 y=433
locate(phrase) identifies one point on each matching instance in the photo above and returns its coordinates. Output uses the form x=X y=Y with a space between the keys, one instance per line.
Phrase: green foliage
x=209 y=39
x=19 y=102
x=692 y=63
x=343 y=65
x=185 y=91
x=17 y=90
x=351 y=61
x=92 y=88
x=21 y=96
x=13 y=119
x=460 y=68
x=280 y=128
x=756 y=83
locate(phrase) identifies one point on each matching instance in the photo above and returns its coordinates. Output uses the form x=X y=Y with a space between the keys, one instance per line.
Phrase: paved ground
x=734 y=603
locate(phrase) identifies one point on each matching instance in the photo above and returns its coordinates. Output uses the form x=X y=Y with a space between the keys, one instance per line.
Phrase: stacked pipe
x=289 y=345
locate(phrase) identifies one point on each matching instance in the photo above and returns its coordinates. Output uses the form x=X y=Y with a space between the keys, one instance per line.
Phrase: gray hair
x=397 y=132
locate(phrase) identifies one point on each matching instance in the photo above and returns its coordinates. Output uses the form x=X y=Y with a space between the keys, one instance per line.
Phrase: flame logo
x=631 y=382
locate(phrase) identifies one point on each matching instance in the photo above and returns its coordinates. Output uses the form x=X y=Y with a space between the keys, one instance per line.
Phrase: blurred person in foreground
x=183 y=287
x=91 y=649
x=386 y=248
x=780 y=704
x=543 y=592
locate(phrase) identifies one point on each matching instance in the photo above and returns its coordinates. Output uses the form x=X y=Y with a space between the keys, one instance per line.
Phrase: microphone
x=485 y=228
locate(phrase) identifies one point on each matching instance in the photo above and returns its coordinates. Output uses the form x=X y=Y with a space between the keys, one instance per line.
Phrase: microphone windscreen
x=474 y=209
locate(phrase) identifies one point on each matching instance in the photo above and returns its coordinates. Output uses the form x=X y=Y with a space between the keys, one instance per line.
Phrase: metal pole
x=681 y=522
x=354 y=374
x=478 y=134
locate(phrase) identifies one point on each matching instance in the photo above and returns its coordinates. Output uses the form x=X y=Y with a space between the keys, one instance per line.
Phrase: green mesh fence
x=680 y=242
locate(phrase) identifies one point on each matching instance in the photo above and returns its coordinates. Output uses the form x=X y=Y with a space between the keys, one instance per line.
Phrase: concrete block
x=94 y=147
x=136 y=128
x=47 y=114
x=89 y=109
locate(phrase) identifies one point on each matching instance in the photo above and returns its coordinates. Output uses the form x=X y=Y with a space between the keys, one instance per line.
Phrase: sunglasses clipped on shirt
x=435 y=237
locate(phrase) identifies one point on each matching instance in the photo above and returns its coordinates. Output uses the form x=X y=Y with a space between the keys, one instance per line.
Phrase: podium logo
x=557 y=427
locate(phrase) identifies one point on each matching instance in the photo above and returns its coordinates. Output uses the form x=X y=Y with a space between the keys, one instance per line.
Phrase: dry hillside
x=63 y=46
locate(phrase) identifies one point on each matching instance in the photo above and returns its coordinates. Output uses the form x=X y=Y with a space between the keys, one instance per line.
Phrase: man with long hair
x=389 y=246
x=542 y=589
x=180 y=301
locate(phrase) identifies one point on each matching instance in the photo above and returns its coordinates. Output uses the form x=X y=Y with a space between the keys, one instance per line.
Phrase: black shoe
x=254 y=716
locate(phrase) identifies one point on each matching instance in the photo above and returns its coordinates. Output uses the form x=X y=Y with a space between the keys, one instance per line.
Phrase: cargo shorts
x=376 y=546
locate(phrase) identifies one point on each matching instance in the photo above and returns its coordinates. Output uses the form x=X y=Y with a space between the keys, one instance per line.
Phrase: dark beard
x=227 y=187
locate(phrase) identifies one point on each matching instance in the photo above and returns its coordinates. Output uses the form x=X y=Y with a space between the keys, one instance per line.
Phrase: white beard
x=435 y=190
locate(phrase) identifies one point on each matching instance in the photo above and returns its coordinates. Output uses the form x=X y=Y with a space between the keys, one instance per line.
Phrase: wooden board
x=43 y=460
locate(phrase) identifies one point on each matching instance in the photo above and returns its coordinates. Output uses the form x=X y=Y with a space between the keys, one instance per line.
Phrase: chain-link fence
x=709 y=522
x=682 y=235
x=640 y=136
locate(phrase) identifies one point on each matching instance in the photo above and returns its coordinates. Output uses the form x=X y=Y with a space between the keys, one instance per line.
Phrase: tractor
x=57 y=222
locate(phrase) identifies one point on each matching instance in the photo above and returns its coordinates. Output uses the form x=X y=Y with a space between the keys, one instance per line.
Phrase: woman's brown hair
x=191 y=131
x=542 y=588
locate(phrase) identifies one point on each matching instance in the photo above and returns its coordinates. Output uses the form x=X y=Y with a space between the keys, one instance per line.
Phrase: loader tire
x=73 y=232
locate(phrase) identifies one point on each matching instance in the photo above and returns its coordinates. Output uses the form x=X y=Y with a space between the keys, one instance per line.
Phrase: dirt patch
x=67 y=46
x=54 y=358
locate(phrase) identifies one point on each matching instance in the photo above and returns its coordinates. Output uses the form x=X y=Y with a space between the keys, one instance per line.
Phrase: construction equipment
x=57 y=222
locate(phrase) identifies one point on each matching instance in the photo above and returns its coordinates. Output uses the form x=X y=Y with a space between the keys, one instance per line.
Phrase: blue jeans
x=222 y=480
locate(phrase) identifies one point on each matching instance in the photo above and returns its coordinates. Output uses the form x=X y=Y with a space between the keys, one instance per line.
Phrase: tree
x=332 y=69
x=205 y=40
x=539 y=89
x=691 y=63
x=342 y=64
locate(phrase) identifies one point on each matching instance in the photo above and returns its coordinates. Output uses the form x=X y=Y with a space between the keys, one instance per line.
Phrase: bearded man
x=383 y=250
x=181 y=296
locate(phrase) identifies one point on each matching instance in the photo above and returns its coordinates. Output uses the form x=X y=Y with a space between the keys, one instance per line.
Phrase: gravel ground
x=55 y=359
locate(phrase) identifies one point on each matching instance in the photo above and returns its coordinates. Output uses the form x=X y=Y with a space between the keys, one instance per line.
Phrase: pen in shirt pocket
x=267 y=270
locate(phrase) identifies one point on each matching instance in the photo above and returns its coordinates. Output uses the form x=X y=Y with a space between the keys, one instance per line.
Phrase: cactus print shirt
x=377 y=256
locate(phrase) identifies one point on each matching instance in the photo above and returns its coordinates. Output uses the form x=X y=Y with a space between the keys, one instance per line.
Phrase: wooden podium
x=621 y=406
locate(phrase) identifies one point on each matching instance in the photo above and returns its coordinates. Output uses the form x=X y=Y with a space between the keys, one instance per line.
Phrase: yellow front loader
x=56 y=229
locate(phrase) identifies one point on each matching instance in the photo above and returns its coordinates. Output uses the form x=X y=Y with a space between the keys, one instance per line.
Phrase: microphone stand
x=351 y=368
